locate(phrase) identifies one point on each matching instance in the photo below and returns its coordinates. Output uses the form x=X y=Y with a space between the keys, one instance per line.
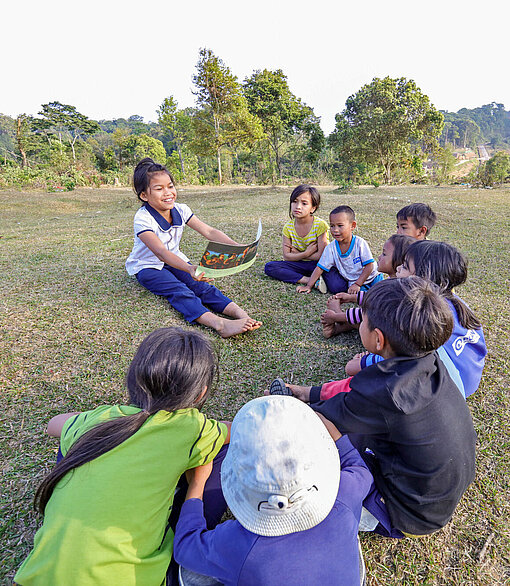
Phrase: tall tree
x=382 y=120
x=179 y=125
x=64 y=121
x=282 y=114
x=223 y=117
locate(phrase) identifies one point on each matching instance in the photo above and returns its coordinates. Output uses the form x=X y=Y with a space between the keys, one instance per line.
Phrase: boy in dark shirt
x=405 y=415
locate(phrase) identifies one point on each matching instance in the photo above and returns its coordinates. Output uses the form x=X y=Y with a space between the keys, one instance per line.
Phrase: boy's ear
x=380 y=339
x=422 y=233
x=353 y=225
x=143 y=196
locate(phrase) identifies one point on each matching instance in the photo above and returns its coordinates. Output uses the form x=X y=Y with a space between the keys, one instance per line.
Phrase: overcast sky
x=115 y=59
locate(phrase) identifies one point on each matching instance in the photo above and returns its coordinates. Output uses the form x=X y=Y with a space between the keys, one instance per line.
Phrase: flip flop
x=277 y=387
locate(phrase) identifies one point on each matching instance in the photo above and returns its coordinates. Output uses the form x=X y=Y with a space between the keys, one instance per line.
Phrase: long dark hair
x=170 y=371
x=445 y=266
x=145 y=169
x=400 y=242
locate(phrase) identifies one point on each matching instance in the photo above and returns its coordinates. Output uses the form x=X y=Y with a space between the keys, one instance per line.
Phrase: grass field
x=71 y=319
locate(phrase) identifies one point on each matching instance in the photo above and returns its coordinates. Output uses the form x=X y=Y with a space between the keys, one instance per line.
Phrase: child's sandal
x=277 y=387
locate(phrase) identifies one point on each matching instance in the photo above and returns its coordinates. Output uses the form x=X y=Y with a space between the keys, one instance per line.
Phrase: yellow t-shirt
x=106 y=521
x=301 y=243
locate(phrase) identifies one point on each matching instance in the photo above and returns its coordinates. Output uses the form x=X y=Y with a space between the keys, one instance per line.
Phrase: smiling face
x=406 y=269
x=384 y=262
x=341 y=227
x=161 y=194
x=302 y=206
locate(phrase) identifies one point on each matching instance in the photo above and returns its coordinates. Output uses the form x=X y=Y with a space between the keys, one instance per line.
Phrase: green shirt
x=106 y=521
x=302 y=242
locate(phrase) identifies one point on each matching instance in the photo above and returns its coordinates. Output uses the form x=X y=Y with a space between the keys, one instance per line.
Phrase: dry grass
x=71 y=320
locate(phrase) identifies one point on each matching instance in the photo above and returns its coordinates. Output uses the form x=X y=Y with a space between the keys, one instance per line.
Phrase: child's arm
x=209 y=232
x=322 y=242
x=317 y=272
x=56 y=423
x=197 y=477
x=154 y=244
x=289 y=253
x=365 y=273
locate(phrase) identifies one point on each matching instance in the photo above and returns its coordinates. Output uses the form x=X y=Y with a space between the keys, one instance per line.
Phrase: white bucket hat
x=282 y=471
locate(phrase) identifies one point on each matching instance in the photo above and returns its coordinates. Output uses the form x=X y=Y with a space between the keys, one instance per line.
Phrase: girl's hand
x=303 y=289
x=197 y=477
x=201 y=276
x=354 y=289
x=311 y=249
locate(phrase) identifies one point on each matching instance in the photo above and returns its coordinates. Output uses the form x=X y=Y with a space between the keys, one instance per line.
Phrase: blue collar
x=351 y=246
x=162 y=222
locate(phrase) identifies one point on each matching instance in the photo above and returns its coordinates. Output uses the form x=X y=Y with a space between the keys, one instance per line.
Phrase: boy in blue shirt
x=297 y=515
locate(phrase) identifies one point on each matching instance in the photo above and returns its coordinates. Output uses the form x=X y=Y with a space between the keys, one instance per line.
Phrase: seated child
x=405 y=415
x=349 y=254
x=334 y=320
x=281 y=479
x=304 y=238
x=416 y=220
x=161 y=267
x=107 y=503
x=464 y=352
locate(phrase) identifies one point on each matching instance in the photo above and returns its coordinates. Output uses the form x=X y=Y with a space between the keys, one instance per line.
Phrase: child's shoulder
x=319 y=223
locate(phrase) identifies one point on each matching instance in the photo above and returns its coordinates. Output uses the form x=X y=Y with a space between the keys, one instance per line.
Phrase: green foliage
x=285 y=119
x=138 y=147
x=223 y=118
x=495 y=171
x=381 y=121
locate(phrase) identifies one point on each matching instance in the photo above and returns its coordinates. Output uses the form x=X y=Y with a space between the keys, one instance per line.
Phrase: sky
x=112 y=59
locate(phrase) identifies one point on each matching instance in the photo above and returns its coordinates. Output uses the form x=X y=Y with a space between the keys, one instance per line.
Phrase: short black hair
x=420 y=215
x=411 y=313
x=344 y=210
x=315 y=196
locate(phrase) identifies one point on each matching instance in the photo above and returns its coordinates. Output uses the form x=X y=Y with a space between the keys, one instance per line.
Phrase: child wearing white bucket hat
x=296 y=516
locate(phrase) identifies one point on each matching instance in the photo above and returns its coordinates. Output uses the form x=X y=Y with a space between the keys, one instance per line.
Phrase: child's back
x=405 y=414
x=106 y=519
x=283 y=533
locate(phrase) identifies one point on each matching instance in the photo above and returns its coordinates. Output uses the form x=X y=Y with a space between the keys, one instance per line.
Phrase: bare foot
x=334 y=304
x=232 y=327
x=330 y=317
x=328 y=331
x=233 y=310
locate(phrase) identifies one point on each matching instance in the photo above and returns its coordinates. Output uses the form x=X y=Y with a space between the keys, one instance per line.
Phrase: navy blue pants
x=189 y=297
x=290 y=271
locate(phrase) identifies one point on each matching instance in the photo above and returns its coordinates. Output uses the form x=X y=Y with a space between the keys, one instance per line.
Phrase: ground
x=71 y=320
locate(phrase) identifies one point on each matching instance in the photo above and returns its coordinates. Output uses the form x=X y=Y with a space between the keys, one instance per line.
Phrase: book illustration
x=220 y=260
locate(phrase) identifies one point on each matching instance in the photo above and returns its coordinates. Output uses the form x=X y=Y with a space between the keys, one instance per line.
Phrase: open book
x=220 y=259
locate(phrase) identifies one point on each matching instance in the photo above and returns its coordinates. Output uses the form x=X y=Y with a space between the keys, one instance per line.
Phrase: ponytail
x=172 y=369
x=445 y=266
x=97 y=441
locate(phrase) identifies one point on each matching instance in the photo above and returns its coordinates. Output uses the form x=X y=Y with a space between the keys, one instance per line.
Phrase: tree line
x=254 y=131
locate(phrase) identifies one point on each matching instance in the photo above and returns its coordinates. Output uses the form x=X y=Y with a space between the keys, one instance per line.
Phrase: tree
x=497 y=168
x=223 y=118
x=138 y=147
x=381 y=121
x=62 y=120
x=179 y=125
x=282 y=114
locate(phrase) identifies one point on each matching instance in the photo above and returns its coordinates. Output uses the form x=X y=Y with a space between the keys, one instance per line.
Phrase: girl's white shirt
x=148 y=219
